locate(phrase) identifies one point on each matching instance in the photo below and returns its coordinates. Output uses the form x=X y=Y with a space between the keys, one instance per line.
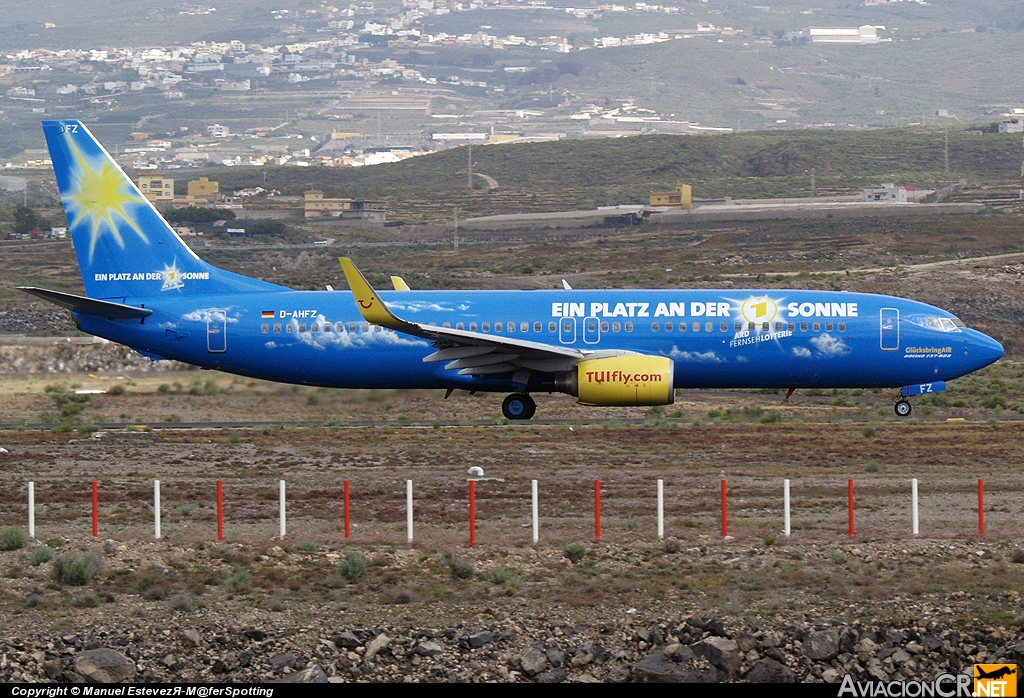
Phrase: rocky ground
x=756 y=606
x=145 y=622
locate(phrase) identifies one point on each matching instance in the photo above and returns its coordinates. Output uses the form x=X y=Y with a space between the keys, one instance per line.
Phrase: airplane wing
x=470 y=353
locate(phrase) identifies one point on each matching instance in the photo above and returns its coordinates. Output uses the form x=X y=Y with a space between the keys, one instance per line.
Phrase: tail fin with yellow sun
x=125 y=248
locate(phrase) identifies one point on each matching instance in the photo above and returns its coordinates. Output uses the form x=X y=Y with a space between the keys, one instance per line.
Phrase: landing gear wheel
x=518 y=406
x=902 y=408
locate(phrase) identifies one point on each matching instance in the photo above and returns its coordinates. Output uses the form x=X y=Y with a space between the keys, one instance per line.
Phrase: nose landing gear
x=518 y=406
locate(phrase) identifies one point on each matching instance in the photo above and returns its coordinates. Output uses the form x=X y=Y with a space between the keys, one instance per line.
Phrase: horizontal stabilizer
x=88 y=306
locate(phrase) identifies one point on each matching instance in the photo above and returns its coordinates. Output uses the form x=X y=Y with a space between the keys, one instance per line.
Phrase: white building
x=1012 y=124
x=866 y=34
x=888 y=193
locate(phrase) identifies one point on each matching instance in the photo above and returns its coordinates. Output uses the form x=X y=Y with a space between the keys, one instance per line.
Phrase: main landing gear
x=518 y=406
x=902 y=408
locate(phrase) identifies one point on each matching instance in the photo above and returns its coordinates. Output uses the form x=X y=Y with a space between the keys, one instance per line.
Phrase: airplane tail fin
x=124 y=246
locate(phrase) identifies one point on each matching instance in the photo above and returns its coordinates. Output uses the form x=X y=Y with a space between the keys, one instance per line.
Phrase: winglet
x=370 y=305
x=399 y=283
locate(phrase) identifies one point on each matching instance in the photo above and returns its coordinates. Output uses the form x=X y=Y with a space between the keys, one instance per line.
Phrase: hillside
x=586 y=174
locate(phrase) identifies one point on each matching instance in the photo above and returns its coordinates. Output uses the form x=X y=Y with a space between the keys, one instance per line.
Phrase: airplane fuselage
x=716 y=339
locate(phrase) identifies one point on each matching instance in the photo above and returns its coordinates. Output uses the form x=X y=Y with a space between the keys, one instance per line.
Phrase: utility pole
x=470 y=176
x=947 y=148
x=1020 y=195
x=456 y=227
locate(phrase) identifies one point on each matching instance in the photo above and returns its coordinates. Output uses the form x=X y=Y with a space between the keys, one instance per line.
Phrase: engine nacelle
x=626 y=381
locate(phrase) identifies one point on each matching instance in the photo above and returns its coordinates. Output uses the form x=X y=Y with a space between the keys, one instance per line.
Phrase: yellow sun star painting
x=98 y=195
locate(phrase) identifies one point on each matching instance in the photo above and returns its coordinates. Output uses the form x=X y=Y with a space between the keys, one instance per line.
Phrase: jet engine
x=626 y=381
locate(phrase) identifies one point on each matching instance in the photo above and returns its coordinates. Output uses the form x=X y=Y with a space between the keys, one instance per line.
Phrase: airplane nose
x=984 y=350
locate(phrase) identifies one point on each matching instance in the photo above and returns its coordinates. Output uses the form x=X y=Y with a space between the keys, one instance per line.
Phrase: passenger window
x=314 y=328
x=696 y=327
x=538 y=327
x=629 y=327
x=778 y=326
x=817 y=327
x=472 y=327
x=552 y=326
x=447 y=325
x=842 y=327
x=682 y=327
x=497 y=327
x=803 y=326
x=265 y=328
x=751 y=326
x=339 y=327
x=302 y=327
x=724 y=327
x=616 y=327
x=511 y=326
x=655 y=327
x=460 y=326
x=592 y=326
x=668 y=326
x=738 y=326
x=327 y=327
x=352 y=327
x=709 y=327
x=376 y=328
x=524 y=327
x=764 y=326
x=792 y=326
x=487 y=327
x=604 y=326
x=277 y=327
x=828 y=326
x=364 y=327
x=289 y=328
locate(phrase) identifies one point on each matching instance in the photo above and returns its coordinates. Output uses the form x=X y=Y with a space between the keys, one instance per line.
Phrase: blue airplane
x=147 y=290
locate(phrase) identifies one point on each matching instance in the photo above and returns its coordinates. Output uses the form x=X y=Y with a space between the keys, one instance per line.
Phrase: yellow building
x=680 y=197
x=155 y=187
x=316 y=206
x=203 y=187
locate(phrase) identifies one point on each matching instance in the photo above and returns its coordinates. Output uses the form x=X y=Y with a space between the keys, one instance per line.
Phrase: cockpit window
x=942 y=324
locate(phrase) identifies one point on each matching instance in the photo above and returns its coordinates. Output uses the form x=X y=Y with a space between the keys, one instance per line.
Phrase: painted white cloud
x=205 y=314
x=322 y=340
x=702 y=357
x=802 y=352
x=828 y=345
x=418 y=306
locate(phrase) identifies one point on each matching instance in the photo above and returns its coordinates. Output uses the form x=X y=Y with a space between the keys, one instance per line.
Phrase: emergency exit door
x=217 y=333
x=889 y=322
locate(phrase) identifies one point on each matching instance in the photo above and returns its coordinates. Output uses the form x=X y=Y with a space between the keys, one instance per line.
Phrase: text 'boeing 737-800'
x=146 y=289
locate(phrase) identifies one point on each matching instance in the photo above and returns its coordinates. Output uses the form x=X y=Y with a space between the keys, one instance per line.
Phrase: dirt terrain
x=257 y=607
x=758 y=605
